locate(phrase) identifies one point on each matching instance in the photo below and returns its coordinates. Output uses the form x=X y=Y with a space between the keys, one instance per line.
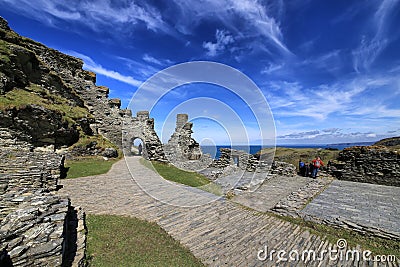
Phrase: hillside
x=389 y=142
x=47 y=99
x=292 y=155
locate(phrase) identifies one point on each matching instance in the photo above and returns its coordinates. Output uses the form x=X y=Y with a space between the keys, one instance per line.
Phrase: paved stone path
x=271 y=192
x=220 y=233
x=365 y=204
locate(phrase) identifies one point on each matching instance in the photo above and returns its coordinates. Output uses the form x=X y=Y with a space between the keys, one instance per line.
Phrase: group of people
x=310 y=169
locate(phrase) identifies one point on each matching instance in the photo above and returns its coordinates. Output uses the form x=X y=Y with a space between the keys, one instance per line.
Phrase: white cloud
x=372 y=46
x=89 y=64
x=271 y=68
x=97 y=14
x=244 y=19
x=223 y=39
x=321 y=137
x=160 y=62
x=340 y=99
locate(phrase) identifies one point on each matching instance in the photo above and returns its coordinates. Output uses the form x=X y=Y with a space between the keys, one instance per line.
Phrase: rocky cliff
x=48 y=98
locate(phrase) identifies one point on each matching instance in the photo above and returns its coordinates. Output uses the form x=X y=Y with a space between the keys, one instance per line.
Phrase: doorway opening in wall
x=236 y=160
x=138 y=147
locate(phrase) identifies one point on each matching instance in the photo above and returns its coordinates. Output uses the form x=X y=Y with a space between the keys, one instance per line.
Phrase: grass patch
x=172 y=173
x=125 y=241
x=88 y=167
x=378 y=246
x=212 y=188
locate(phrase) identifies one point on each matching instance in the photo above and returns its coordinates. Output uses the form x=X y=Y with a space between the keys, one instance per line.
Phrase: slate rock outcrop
x=368 y=164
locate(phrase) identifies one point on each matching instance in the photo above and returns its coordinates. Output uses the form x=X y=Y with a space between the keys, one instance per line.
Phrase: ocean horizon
x=252 y=149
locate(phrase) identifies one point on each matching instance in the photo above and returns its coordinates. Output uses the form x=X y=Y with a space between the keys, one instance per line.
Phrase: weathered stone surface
x=373 y=164
x=34 y=234
x=142 y=127
x=283 y=168
x=32 y=218
x=363 y=207
x=184 y=151
x=110 y=153
x=241 y=159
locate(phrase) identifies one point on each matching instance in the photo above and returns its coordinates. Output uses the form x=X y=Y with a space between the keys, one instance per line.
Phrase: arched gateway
x=142 y=127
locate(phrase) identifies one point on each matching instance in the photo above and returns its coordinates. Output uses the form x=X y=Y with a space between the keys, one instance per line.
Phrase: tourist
x=307 y=169
x=302 y=168
x=140 y=149
x=317 y=163
x=311 y=168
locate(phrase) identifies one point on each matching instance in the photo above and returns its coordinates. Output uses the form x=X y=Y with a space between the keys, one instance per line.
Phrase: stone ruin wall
x=181 y=145
x=142 y=127
x=182 y=150
x=107 y=116
x=37 y=226
x=241 y=159
x=250 y=163
x=373 y=164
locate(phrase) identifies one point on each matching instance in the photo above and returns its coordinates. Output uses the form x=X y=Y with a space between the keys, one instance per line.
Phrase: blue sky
x=329 y=70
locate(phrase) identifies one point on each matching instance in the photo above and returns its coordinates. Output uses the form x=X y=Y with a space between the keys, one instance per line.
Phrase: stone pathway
x=271 y=192
x=370 y=205
x=220 y=233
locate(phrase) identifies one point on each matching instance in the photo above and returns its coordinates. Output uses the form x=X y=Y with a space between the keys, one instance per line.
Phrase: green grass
x=171 y=173
x=125 y=241
x=88 y=167
x=4 y=52
x=378 y=246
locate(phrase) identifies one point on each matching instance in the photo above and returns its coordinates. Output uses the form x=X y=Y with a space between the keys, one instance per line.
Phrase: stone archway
x=138 y=147
x=142 y=127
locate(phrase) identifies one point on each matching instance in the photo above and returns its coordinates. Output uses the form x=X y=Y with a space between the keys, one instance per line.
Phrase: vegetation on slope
x=393 y=142
x=36 y=95
x=292 y=155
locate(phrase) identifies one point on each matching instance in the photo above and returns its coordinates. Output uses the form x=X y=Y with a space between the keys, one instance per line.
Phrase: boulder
x=110 y=152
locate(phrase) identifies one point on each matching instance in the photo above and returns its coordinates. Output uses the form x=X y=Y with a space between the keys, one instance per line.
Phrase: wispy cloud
x=223 y=39
x=373 y=44
x=89 y=64
x=244 y=19
x=97 y=14
x=160 y=62
x=291 y=99
x=329 y=137
x=272 y=67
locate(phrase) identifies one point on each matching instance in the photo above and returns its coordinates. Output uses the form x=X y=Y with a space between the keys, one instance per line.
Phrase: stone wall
x=38 y=233
x=181 y=145
x=142 y=127
x=241 y=159
x=37 y=227
x=56 y=76
x=182 y=150
x=373 y=164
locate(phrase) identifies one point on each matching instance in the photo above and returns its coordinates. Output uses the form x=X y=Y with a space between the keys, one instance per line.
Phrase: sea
x=252 y=149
